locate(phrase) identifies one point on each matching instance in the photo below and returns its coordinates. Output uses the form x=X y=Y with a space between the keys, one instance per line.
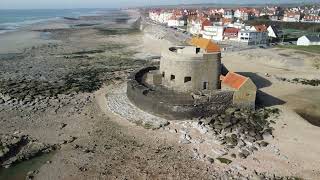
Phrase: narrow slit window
x=172 y=77
x=205 y=85
x=163 y=74
x=197 y=50
x=187 y=79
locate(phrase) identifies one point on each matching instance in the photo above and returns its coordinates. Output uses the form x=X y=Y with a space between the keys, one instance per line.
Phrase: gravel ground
x=119 y=103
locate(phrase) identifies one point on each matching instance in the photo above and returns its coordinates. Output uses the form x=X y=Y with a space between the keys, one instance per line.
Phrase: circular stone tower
x=191 y=68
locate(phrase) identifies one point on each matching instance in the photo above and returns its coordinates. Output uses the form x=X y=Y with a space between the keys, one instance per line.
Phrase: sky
x=66 y=4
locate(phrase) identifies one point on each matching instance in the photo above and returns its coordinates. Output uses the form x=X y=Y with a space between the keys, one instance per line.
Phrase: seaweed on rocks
x=244 y=129
x=94 y=51
x=312 y=82
x=303 y=81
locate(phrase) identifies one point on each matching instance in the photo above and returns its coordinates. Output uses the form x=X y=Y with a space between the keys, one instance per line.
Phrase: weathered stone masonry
x=167 y=104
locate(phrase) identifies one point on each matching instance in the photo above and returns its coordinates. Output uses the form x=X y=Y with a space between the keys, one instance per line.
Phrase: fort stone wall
x=164 y=103
x=187 y=72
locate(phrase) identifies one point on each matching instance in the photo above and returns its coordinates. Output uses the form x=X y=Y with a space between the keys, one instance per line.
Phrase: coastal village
x=225 y=24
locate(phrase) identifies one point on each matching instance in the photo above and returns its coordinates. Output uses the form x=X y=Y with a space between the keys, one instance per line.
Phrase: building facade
x=213 y=32
x=308 y=40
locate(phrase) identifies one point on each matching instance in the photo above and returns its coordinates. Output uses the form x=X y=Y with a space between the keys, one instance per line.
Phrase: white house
x=274 y=32
x=228 y=14
x=176 y=22
x=164 y=17
x=241 y=14
x=261 y=34
x=237 y=25
x=291 y=17
x=213 y=32
x=308 y=40
x=252 y=37
x=195 y=27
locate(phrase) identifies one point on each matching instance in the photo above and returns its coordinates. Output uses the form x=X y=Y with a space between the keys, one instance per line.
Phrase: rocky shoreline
x=243 y=130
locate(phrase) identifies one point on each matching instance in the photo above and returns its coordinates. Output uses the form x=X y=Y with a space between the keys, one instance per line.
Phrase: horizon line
x=162 y=5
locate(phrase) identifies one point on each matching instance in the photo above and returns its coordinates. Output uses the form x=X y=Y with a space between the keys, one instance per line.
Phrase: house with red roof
x=260 y=28
x=198 y=24
x=243 y=14
x=291 y=16
x=254 y=35
x=244 y=89
x=314 y=19
x=175 y=21
x=205 y=22
x=230 y=33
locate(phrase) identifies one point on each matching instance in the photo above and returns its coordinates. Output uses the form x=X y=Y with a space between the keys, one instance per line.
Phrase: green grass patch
x=311 y=49
x=296 y=33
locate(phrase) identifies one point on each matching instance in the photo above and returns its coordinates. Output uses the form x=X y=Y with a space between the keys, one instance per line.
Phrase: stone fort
x=190 y=82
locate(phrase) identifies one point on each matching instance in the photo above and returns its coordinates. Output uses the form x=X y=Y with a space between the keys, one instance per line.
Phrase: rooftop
x=234 y=80
x=313 y=38
x=205 y=44
x=261 y=28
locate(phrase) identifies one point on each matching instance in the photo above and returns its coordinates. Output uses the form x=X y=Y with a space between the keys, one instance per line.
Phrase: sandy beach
x=55 y=80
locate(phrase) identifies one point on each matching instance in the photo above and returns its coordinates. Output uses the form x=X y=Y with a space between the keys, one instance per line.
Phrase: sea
x=11 y=20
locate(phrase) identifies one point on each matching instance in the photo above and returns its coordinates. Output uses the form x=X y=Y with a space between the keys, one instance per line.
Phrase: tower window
x=163 y=74
x=172 y=77
x=187 y=79
x=205 y=85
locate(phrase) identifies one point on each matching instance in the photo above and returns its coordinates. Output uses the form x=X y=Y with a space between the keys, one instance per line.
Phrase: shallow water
x=11 y=20
x=20 y=170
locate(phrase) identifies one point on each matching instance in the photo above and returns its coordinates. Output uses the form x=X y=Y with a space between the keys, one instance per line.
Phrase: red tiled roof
x=205 y=44
x=226 y=20
x=291 y=14
x=312 y=17
x=234 y=80
x=206 y=22
x=231 y=30
x=173 y=18
x=261 y=28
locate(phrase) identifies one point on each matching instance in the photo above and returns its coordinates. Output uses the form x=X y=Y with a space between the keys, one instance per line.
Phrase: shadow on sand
x=266 y=100
x=310 y=112
x=260 y=81
x=263 y=99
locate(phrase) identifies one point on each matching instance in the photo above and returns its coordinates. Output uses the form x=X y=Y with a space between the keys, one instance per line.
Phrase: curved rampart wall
x=165 y=106
x=190 y=73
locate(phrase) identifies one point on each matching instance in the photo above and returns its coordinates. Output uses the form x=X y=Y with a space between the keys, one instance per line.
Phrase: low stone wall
x=163 y=103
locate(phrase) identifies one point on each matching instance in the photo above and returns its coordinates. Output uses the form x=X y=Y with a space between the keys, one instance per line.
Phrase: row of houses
x=171 y=16
x=215 y=27
x=299 y=14
x=250 y=35
x=296 y=17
